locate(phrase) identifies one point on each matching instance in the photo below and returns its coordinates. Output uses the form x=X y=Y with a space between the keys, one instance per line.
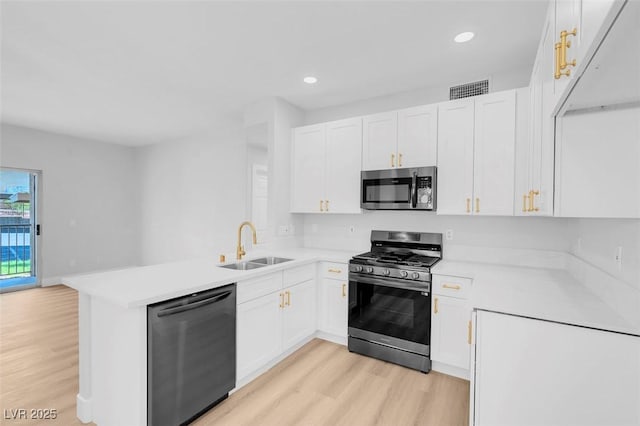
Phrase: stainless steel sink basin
x=256 y=263
x=243 y=266
x=269 y=260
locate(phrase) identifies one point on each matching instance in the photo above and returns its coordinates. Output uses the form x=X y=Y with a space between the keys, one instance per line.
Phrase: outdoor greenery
x=15 y=267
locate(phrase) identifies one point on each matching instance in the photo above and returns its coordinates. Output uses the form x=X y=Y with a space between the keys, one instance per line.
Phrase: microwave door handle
x=414 y=190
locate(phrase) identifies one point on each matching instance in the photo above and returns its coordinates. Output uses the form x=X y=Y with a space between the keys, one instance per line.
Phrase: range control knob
x=357 y=268
x=369 y=269
x=404 y=274
x=386 y=272
x=415 y=275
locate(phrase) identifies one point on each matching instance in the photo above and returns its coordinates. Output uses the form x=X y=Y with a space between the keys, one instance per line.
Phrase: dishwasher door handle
x=190 y=306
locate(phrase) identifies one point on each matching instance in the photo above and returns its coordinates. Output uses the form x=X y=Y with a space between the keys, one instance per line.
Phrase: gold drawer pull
x=288 y=302
x=321 y=209
x=435 y=305
x=469 y=332
x=393 y=160
x=400 y=160
x=477 y=205
x=281 y=300
x=468 y=205
x=524 y=203
x=344 y=290
x=451 y=286
x=326 y=205
x=335 y=271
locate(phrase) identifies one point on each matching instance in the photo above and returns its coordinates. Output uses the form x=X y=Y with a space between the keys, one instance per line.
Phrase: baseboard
x=450 y=370
x=83 y=409
x=47 y=282
x=341 y=340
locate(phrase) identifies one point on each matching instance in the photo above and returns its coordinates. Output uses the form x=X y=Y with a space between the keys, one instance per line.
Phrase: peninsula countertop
x=144 y=285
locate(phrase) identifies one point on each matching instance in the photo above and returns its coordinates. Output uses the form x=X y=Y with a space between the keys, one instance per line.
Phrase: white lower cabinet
x=259 y=333
x=534 y=372
x=298 y=313
x=450 y=323
x=270 y=324
x=334 y=295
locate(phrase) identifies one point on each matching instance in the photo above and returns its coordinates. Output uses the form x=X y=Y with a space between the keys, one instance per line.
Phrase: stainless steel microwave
x=399 y=189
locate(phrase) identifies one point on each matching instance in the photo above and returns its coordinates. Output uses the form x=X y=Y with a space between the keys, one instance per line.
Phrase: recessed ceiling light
x=310 y=80
x=464 y=37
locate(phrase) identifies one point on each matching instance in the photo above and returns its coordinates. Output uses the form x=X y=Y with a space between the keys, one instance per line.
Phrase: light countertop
x=547 y=294
x=140 y=286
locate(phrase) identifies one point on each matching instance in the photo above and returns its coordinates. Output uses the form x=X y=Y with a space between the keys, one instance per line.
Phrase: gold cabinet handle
x=344 y=290
x=326 y=205
x=532 y=204
x=469 y=332
x=334 y=271
x=451 y=286
x=321 y=209
x=400 y=159
x=524 y=203
x=281 y=300
x=477 y=205
x=564 y=44
x=288 y=302
x=559 y=73
x=393 y=160
x=435 y=305
x=468 y=205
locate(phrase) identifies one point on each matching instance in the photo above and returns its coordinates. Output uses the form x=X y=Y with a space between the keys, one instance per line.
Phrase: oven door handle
x=391 y=282
x=414 y=190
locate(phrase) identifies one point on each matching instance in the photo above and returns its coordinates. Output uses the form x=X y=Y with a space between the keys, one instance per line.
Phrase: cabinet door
x=259 y=333
x=342 y=166
x=334 y=295
x=380 y=137
x=494 y=154
x=308 y=169
x=450 y=331
x=455 y=157
x=299 y=313
x=418 y=136
x=532 y=372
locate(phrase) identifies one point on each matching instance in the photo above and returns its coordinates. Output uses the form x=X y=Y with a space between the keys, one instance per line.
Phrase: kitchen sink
x=256 y=263
x=244 y=266
x=270 y=260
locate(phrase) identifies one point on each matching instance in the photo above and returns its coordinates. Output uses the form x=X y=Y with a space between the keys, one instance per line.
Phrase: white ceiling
x=143 y=72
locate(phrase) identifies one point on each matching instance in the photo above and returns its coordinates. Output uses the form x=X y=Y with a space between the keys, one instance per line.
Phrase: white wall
x=89 y=208
x=508 y=79
x=596 y=241
x=192 y=195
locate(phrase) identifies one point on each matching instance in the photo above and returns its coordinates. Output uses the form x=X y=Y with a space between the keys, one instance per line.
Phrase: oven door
x=390 y=311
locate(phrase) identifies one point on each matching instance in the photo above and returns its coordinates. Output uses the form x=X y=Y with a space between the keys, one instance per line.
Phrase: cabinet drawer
x=254 y=288
x=451 y=286
x=336 y=271
x=299 y=274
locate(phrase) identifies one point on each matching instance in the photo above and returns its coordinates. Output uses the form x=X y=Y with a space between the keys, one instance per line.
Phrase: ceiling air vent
x=469 y=89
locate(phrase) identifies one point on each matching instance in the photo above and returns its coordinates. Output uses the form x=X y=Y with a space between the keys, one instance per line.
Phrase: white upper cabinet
x=380 y=140
x=455 y=156
x=476 y=155
x=308 y=169
x=494 y=150
x=404 y=138
x=326 y=161
x=342 y=166
x=418 y=136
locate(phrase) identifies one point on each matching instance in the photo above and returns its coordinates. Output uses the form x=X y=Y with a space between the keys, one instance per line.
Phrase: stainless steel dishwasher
x=191 y=355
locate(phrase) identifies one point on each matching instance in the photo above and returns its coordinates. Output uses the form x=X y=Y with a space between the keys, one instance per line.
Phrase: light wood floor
x=320 y=384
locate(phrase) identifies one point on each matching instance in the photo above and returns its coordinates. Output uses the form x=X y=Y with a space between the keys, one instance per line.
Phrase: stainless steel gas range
x=390 y=298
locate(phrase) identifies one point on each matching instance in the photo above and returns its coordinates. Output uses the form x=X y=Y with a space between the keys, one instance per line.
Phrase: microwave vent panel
x=469 y=89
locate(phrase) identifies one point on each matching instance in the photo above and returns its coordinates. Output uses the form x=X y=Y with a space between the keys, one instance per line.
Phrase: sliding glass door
x=18 y=229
